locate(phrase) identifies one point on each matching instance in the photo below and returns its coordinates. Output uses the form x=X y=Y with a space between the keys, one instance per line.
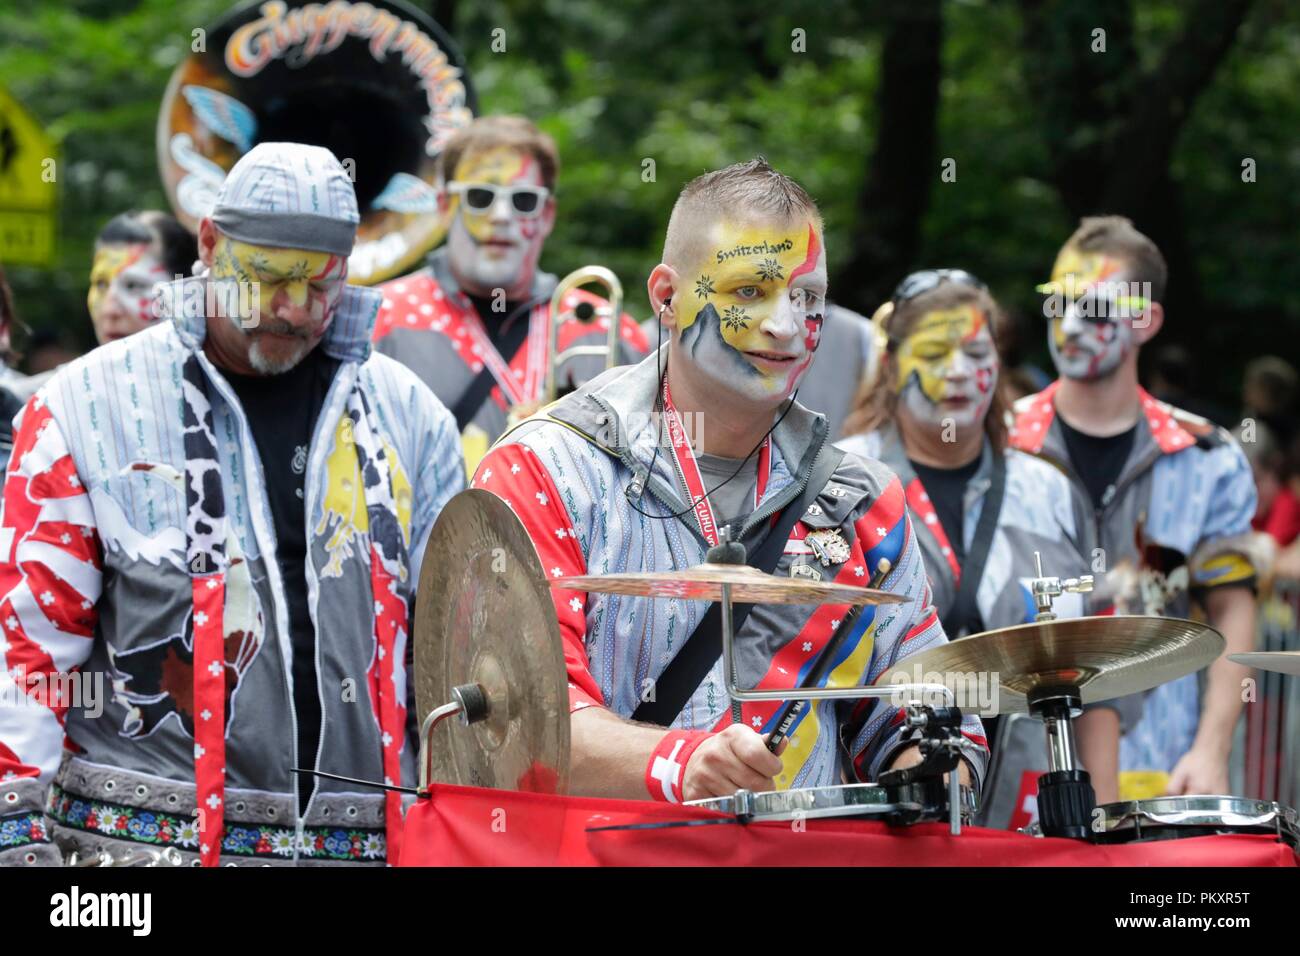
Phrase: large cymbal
x=483 y=614
x=1280 y=662
x=1104 y=657
x=703 y=582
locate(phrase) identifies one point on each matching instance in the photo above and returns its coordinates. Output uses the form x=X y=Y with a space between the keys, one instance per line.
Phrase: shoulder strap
x=964 y=612
x=693 y=661
x=472 y=399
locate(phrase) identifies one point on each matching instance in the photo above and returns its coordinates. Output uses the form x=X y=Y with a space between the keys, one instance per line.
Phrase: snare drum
x=1175 y=818
x=896 y=805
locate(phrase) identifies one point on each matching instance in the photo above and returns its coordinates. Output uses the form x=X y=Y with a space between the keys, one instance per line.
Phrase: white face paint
x=122 y=283
x=948 y=369
x=1093 y=333
x=750 y=311
x=497 y=248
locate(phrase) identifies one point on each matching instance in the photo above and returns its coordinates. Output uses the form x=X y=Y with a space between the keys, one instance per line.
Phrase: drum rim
x=910 y=800
x=1199 y=810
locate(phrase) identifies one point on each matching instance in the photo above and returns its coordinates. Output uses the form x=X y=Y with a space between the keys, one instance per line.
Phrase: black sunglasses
x=919 y=283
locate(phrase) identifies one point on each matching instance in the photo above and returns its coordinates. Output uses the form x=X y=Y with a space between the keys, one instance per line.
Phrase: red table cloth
x=469 y=826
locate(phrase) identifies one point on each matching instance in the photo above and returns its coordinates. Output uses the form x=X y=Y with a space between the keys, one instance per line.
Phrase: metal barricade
x=1267 y=759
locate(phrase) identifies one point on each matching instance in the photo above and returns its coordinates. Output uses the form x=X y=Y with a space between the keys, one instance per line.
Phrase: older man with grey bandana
x=236 y=578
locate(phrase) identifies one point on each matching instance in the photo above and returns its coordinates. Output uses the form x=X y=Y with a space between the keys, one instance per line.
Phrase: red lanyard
x=515 y=392
x=690 y=471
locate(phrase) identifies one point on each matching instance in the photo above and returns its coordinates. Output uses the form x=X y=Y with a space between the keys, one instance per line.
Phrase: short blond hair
x=1117 y=236
x=752 y=190
x=493 y=132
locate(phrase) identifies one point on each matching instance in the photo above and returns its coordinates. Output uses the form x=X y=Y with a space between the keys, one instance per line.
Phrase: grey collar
x=347 y=339
x=615 y=410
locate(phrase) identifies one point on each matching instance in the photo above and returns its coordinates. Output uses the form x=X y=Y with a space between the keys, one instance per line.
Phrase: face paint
x=496 y=248
x=751 y=309
x=294 y=294
x=122 y=280
x=948 y=368
x=1090 y=334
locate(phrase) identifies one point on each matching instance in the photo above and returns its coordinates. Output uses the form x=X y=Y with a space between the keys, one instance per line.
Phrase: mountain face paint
x=497 y=248
x=948 y=367
x=1088 y=342
x=122 y=281
x=750 y=310
x=296 y=292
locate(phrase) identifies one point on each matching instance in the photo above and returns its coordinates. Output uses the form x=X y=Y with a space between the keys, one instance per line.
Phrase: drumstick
x=791 y=709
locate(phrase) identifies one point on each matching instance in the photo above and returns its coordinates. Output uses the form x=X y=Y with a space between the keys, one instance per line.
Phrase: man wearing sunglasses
x=1164 y=501
x=473 y=324
x=640 y=468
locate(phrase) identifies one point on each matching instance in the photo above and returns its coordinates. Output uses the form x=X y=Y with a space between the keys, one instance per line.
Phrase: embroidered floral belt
x=341 y=844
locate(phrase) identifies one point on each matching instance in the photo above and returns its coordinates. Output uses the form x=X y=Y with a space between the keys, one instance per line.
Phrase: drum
x=1175 y=818
x=895 y=805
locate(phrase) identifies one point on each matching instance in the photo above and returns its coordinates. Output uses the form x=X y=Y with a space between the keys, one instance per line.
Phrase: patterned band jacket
x=572 y=476
x=428 y=324
x=1037 y=515
x=1175 y=524
x=137 y=554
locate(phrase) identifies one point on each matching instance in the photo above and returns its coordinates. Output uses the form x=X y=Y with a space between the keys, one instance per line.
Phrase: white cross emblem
x=668 y=771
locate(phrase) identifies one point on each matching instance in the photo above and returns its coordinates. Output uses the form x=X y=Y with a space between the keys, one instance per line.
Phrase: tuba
x=378 y=84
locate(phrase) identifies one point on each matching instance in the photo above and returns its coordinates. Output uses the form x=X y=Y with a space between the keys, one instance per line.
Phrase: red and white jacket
x=570 y=477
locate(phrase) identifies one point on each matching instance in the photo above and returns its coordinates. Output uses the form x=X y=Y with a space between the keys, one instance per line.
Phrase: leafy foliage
x=679 y=88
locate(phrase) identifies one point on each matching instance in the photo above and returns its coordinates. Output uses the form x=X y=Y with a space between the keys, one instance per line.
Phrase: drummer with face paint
x=640 y=469
x=934 y=414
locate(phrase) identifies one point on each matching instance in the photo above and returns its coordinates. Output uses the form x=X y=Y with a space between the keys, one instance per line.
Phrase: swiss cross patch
x=1025 y=811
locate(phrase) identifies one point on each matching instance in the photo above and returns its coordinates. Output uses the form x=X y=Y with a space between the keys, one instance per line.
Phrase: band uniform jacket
x=428 y=324
x=1175 y=523
x=93 y=579
x=572 y=477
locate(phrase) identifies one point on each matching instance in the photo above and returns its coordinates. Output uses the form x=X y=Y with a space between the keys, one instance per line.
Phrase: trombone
x=586 y=313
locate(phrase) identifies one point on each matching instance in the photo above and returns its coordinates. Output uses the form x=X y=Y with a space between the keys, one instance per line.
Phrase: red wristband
x=666 y=771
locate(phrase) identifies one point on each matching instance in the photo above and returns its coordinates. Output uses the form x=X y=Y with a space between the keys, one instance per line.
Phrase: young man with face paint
x=638 y=470
x=474 y=323
x=134 y=253
x=934 y=414
x=219 y=522
x=1162 y=497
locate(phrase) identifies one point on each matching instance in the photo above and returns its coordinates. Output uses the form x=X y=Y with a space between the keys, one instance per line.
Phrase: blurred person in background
x=10 y=403
x=935 y=415
x=1277 y=510
x=1162 y=496
x=1171 y=378
x=135 y=252
x=474 y=323
x=1268 y=394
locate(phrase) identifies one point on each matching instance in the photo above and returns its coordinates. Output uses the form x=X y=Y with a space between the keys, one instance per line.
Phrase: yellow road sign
x=28 y=186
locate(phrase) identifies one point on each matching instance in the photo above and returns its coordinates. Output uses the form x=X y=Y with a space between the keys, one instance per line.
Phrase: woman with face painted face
x=134 y=252
x=934 y=414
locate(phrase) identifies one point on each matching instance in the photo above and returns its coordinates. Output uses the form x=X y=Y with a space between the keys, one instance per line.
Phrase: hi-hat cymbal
x=484 y=615
x=1104 y=657
x=704 y=582
x=1280 y=662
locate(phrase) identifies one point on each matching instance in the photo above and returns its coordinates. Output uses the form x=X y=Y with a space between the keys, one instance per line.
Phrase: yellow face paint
x=110 y=261
x=741 y=298
x=928 y=351
x=1076 y=271
x=499 y=166
x=269 y=269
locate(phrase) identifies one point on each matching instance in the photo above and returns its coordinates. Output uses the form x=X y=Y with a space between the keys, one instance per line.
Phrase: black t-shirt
x=947 y=490
x=1098 y=461
x=495 y=322
x=282 y=412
